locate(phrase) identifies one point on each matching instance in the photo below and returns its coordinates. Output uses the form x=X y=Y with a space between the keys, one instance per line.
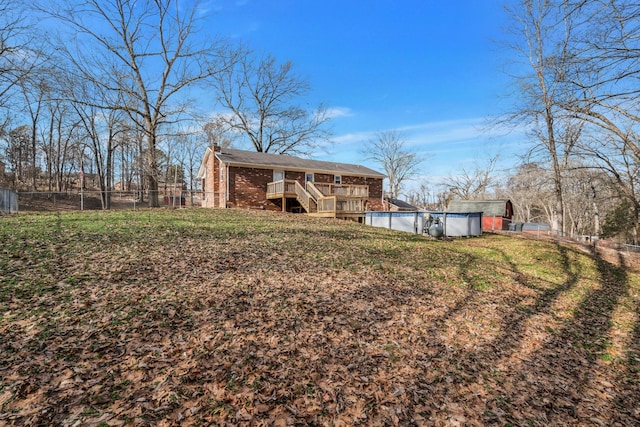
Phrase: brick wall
x=248 y=188
x=209 y=181
x=322 y=177
x=297 y=176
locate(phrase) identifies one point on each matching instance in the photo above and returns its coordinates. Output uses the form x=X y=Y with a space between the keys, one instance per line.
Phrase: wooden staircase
x=306 y=199
x=322 y=199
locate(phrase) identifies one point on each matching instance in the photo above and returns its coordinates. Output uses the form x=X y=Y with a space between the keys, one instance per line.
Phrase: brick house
x=252 y=180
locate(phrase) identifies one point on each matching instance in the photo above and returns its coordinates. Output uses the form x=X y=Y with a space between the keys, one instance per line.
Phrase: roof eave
x=202 y=171
x=298 y=169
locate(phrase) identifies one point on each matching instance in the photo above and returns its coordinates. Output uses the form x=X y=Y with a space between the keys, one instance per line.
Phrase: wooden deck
x=322 y=199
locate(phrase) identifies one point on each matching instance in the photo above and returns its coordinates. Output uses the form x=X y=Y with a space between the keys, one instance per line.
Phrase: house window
x=278 y=175
x=337 y=179
x=308 y=177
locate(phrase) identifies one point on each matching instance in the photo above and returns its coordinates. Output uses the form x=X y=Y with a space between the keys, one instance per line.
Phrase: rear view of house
x=252 y=180
x=496 y=214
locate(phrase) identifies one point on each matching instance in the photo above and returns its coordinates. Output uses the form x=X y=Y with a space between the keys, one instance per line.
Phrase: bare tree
x=17 y=154
x=102 y=129
x=543 y=33
x=192 y=149
x=261 y=97
x=15 y=59
x=612 y=157
x=61 y=140
x=145 y=50
x=388 y=149
x=427 y=195
x=530 y=189
x=218 y=133
x=474 y=183
x=602 y=93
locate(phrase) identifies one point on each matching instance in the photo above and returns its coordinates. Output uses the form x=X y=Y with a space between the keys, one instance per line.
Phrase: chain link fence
x=34 y=201
x=39 y=201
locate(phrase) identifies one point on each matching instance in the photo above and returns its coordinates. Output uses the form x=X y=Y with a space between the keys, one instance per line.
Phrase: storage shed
x=496 y=214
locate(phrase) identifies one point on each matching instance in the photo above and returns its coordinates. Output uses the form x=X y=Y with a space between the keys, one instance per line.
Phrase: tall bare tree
x=542 y=30
x=389 y=150
x=147 y=50
x=602 y=83
x=102 y=128
x=261 y=96
x=61 y=141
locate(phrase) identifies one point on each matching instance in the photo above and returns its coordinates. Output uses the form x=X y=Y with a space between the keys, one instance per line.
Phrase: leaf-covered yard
x=227 y=317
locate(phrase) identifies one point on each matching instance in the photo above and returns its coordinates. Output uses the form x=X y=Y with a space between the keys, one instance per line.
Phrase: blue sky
x=431 y=69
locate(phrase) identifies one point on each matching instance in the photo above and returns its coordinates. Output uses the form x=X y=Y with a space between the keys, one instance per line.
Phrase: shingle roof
x=487 y=207
x=277 y=161
x=401 y=204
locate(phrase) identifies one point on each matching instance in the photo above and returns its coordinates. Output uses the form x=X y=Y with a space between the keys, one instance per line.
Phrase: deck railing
x=280 y=188
x=313 y=190
x=346 y=190
x=338 y=205
x=350 y=205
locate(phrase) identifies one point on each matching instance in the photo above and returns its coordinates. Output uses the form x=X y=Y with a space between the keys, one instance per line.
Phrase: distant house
x=496 y=214
x=397 y=205
x=252 y=180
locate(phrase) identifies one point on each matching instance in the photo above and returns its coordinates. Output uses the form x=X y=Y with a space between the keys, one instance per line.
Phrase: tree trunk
x=152 y=170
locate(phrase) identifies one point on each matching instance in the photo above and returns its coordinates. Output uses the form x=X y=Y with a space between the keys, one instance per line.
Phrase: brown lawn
x=227 y=317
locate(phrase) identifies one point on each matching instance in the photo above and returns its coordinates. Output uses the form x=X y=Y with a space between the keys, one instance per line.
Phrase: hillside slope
x=198 y=317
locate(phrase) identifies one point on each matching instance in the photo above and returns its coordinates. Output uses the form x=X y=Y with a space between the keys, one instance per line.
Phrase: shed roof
x=401 y=204
x=487 y=207
x=280 y=161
